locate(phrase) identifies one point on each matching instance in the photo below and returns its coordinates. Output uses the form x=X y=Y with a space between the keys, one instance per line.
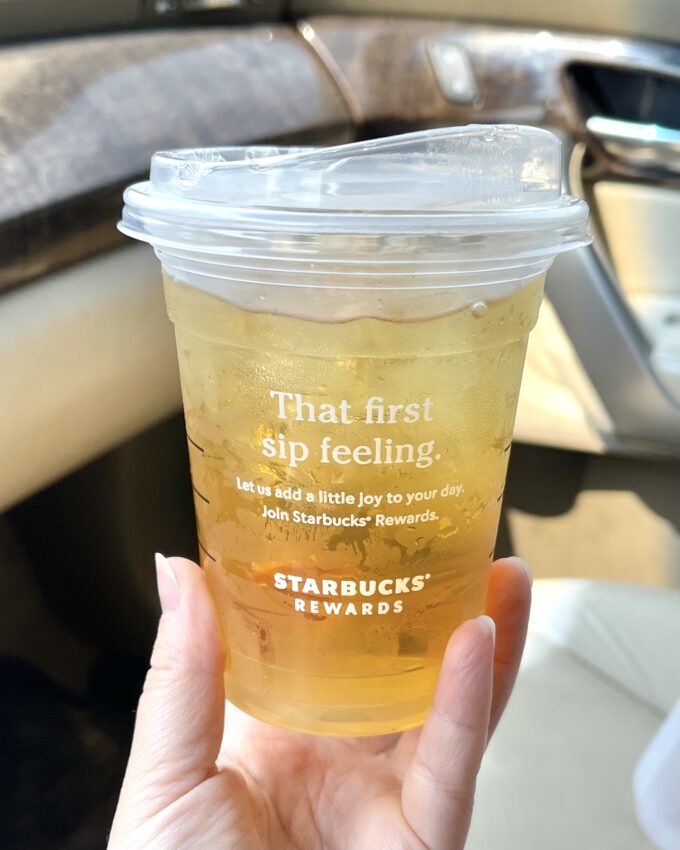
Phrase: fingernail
x=488 y=623
x=520 y=563
x=168 y=586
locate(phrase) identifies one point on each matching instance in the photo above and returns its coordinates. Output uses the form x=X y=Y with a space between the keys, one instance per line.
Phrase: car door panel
x=86 y=349
x=621 y=385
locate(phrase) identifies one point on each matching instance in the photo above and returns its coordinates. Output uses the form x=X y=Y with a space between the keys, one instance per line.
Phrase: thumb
x=180 y=716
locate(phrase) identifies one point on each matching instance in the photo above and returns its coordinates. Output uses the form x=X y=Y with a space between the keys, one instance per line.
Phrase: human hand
x=205 y=776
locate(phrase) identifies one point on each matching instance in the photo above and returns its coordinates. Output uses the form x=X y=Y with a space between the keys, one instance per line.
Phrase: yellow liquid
x=337 y=624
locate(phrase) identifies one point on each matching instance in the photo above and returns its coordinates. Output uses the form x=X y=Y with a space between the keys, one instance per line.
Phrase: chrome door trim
x=641 y=146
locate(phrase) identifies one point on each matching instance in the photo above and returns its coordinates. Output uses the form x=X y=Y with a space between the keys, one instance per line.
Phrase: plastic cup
x=351 y=327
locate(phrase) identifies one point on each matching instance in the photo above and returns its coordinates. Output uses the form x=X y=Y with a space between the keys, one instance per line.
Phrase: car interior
x=93 y=454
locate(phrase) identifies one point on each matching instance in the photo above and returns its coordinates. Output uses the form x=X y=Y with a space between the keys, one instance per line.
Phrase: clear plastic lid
x=482 y=181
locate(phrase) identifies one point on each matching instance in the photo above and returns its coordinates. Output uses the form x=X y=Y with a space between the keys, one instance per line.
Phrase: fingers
x=439 y=783
x=180 y=715
x=508 y=603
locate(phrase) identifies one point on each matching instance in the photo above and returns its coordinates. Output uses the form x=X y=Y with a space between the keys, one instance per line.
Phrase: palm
x=308 y=792
x=206 y=778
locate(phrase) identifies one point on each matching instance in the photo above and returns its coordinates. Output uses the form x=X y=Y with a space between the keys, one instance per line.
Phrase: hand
x=204 y=775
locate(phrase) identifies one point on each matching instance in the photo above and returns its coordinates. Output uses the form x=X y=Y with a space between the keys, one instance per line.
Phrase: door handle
x=640 y=146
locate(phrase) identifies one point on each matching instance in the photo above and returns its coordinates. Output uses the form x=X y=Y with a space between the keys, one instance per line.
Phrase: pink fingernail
x=168 y=586
x=488 y=623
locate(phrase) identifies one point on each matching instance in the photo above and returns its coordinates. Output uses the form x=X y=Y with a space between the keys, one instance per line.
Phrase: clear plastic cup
x=351 y=327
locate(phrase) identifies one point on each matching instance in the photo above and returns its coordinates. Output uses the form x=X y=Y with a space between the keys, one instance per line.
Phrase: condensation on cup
x=351 y=327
